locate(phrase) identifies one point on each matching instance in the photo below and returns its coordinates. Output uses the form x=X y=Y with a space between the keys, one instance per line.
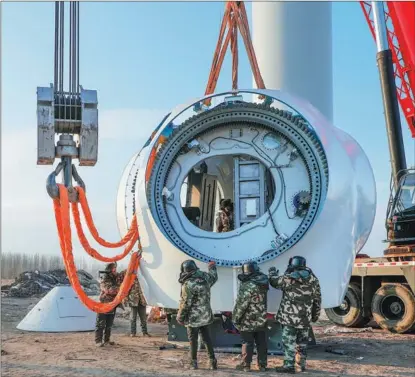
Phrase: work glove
x=120 y=276
x=273 y=271
x=211 y=264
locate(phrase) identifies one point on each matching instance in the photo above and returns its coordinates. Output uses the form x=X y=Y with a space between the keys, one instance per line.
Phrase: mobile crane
x=382 y=289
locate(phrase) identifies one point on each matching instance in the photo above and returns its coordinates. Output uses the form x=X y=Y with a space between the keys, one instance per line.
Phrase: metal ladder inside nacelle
x=249 y=190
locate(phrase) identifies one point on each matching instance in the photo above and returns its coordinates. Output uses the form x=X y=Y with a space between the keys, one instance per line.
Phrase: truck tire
x=393 y=308
x=350 y=313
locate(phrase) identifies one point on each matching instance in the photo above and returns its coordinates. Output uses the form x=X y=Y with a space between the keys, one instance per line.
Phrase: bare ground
x=376 y=353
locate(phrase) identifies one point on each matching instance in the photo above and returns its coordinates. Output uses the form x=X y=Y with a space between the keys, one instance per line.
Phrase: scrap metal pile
x=36 y=283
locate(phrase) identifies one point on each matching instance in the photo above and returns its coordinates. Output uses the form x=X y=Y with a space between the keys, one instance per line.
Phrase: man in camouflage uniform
x=195 y=311
x=300 y=305
x=109 y=289
x=250 y=315
x=224 y=220
x=138 y=305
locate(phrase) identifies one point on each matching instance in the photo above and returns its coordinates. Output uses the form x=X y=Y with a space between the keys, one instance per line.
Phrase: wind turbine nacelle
x=299 y=186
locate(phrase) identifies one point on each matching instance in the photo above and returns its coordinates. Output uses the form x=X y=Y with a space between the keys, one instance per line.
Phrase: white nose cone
x=322 y=205
x=59 y=311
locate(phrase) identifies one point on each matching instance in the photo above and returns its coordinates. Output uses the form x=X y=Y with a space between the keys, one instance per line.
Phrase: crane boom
x=400 y=216
x=388 y=86
x=400 y=29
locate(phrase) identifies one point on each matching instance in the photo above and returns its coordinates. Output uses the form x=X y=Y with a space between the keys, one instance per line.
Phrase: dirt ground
x=376 y=353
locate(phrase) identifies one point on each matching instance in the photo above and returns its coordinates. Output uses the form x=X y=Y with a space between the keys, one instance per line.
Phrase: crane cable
x=59 y=66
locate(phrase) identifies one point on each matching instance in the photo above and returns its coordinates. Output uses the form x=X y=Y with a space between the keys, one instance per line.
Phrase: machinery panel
x=46 y=126
x=88 y=138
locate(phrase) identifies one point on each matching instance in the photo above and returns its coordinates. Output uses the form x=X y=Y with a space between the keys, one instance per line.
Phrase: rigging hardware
x=66 y=110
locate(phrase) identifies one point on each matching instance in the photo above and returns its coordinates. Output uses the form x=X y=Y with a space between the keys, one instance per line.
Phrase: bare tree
x=13 y=264
x=36 y=262
x=43 y=263
x=55 y=262
x=3 y=265
x=25 y=262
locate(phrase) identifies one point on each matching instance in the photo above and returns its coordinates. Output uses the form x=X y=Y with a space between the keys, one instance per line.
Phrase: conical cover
x=59 y=311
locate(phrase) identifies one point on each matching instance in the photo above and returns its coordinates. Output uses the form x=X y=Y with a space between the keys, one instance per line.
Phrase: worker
x=138 y=304
x=109 y=288
x=300 y=305
x=195 y=311
x=224 y=219
x=218 y=221
x=250 y=315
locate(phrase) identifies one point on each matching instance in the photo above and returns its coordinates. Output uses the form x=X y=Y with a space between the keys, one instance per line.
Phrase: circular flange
x=293 y=128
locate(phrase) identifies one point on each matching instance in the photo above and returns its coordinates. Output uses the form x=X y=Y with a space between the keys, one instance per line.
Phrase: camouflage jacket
x=109 y=287
x=194 y=307
x=301 y=300
x=224 y=222
x=136 y=296
x=250 y=311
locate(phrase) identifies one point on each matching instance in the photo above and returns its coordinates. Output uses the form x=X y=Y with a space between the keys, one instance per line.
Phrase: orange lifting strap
x=235 y=18
x=62 y=216
x=131 y=237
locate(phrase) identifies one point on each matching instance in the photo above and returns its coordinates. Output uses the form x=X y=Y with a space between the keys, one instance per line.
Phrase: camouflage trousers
x=193 y=335
x=295 y=346
x=248 y=340
x=103 y=326
x=141 y=311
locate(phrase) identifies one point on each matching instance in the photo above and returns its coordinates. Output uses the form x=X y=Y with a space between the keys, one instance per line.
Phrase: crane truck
x=383 y=289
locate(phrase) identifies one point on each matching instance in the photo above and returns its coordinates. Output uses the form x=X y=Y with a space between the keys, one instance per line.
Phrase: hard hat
x=188 y=266
x=249 y=268
x=297 y=262
x=110 y=266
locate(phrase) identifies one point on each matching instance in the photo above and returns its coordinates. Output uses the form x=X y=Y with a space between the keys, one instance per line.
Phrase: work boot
x=213 y=364
x=146 y=334
x=193 y=364
x=244 y=367
x=300 y=362
x=262 y=368
x=98 y=344
x=301 y=366
x=133 y=335
x=285 y=370
x=109 y=343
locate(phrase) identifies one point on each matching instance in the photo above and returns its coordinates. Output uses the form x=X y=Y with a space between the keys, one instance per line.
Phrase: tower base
x=231 y=343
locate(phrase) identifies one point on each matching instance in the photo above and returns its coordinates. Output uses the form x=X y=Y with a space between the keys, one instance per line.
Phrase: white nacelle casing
x=330 y=245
